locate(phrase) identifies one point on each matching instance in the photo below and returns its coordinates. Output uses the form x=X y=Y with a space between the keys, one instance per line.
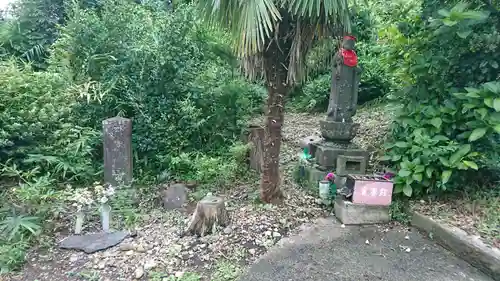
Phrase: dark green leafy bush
x=375 y=82
x=41 y=143
x=450 y=114
x=30 y=30
x=159 y=69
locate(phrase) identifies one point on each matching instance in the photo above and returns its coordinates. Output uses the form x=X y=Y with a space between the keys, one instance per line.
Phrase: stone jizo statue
x=345 y=82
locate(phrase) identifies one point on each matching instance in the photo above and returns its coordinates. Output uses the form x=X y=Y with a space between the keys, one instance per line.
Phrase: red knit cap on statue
x=350 y=37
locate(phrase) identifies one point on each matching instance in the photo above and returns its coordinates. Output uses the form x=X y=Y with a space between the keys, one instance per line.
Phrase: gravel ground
x=159 y=252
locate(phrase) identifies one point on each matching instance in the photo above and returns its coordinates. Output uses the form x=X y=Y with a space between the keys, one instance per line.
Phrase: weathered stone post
x=117 y=138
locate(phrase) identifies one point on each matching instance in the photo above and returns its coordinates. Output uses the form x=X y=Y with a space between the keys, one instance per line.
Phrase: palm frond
x=326 y=11
x=315 y=19
x=253 y=66
x=253 y=24
x=302 y=41
x=250 y=21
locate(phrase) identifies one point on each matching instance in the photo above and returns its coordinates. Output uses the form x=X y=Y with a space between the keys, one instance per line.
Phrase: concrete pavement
x=325 y=251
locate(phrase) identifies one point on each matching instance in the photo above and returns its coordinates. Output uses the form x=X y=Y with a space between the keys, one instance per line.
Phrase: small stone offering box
x=370 y=190
x=356 y=214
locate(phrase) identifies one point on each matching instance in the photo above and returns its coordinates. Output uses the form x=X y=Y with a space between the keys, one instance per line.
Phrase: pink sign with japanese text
x=372 y=190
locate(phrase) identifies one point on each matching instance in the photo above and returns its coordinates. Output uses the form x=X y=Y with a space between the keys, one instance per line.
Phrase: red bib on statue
x=350 y=57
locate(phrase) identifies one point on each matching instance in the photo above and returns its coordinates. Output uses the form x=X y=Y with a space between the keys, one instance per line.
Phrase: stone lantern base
x=338 y=131
x=339 y=158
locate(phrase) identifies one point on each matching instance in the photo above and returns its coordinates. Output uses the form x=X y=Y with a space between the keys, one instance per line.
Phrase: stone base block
x=310 y=142
x=314 y=175
x=351 y=165
x=338 y=131
x=350 y=213
x=326 y=155
x=311 y=176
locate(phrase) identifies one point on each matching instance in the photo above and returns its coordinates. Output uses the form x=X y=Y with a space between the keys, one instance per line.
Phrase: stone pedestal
x=315 y=175
x=338 y=131
x=350 y=213
x=328 y=156
x=327 y=153
x=347 y=164
x=309 y=143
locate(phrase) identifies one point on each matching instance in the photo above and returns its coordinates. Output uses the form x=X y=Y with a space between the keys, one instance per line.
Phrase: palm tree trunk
x=275 y=62
x=270 y=181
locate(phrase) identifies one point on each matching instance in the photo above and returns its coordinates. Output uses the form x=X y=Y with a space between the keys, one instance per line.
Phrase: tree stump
x=210 y=212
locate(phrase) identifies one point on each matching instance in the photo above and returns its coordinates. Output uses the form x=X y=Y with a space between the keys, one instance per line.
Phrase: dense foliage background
x=449 y=119
x=67 y=65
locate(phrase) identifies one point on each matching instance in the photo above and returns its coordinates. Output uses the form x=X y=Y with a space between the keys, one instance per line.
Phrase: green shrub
x=208 y=169
x=30 y=30
x=159 y=69
x=450 y=115
x=314 y=95
x=12 y=255
x=38 y=130
x=375 y=78
x=165 y=71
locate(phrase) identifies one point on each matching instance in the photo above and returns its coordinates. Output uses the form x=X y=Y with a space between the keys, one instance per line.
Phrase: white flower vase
x=105 y=217
x=79 y=222
x=324 y=192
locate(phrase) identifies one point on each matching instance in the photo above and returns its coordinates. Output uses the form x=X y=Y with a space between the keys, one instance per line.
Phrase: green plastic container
x=333 y=190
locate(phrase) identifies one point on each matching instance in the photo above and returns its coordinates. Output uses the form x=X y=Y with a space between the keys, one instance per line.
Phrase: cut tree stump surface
x=210 y=213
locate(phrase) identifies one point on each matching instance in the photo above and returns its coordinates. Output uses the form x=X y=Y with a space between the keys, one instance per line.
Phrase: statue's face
x=348 y=44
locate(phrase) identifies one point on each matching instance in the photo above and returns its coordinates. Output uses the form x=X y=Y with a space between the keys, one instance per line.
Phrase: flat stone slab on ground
x=91 y=243
x=326 y=251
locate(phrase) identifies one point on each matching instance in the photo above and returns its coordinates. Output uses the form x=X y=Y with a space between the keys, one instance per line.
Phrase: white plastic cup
x=324 y=191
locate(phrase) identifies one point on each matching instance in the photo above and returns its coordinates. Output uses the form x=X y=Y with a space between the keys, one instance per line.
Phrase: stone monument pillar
x=335 y=153
x=346 y=74
x=117 y=138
